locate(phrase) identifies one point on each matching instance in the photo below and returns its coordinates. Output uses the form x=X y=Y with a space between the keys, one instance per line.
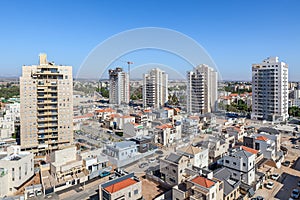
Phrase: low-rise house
x=237 y=131
x=241 y=163
x=126 y=187
x=167 y=133
x=231 y=185
x=216 y=146
x=199 y=187
x=267 y=144
x=121 y=120
x=126 y=152
x=198 y=155
x=16 y=168
x=135 y=130
x=95 y=165
x=190 y=126
x=122 y=150
x=66 y=169
x=172 y=168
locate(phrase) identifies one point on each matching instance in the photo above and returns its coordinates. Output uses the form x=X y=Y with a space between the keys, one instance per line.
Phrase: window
x=234 y=163
x=136 y=192
x=26 y=168
x=234 y=174
x=129 y=194
x=213 y=195
x=244 y=164
x=13 y=174
x=227 y=161
x=19 y=173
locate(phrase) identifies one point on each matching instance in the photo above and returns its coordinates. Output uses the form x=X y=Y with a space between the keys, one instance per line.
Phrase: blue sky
x=235 y=33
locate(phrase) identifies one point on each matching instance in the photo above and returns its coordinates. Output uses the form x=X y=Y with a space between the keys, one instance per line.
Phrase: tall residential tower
x=118 y=86
x=270 y=90
x=46 y=112
x=202 y=90
x=155 y=88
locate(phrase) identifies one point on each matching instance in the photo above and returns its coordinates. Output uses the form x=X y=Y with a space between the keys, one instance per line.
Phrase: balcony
x=47 y=131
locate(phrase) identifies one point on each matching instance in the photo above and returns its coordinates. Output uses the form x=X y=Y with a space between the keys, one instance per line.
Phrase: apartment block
x=155 y=88
x=270 y=90
x=16 y=168
x=202 y=90
x=118 y=86
x=46 y=112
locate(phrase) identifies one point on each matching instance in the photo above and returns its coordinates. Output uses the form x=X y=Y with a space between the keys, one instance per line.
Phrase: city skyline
x=244 y=39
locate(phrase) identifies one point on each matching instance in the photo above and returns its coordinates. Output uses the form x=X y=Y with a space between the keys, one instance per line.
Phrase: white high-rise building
x=202 y=90
x=46 y=111
x=118 y=86
x=155 y=88
x=270 y=90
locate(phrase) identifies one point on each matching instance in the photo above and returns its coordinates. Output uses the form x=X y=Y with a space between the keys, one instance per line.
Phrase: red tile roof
x=262 y=138
x=120 y=185
x=177 y=109
x=164 y=126
x=202 y=181
x=194 y=117
x=105 y=110
x=88 y=115
x=250 y=150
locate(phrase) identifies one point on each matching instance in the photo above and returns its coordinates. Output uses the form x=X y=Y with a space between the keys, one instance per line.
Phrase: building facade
x=270 y=90
x=118 y=86
x=155 y=88
x=46 y=112
x=242 y=165
x=202 y=90
x=16 y=169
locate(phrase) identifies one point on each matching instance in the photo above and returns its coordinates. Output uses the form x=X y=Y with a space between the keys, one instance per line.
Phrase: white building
x=46 y=112
x=155 y=88
x=270 y=90
x=118 y=86
x=242 y=165
x=198 y=155
x=122 y=150
x=16 y=168
x=202 y=90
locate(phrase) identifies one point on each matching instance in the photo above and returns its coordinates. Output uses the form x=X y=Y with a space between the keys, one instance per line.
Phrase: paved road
x=90 y=190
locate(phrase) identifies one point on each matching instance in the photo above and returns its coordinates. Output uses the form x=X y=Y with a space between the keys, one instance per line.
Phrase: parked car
x=295 y=194
x=269 y=185
x=286 y=163
x=143 y=165
x=103 y=174
x=151 y=160
x=275 y=176
x=295 y=147
x=30 y=194
x=38 y=192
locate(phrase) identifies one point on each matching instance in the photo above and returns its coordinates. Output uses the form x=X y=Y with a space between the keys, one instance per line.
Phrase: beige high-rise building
x=155 y=88
x=46 y=112
x=202 y=90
